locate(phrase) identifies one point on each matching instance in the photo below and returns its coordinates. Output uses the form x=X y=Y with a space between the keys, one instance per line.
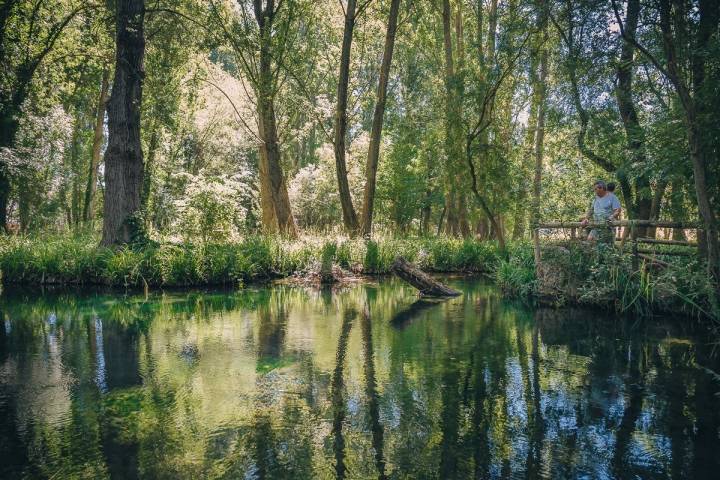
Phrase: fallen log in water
x=428 y=286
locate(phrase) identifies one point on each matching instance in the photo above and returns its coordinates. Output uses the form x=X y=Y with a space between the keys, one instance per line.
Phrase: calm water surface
x=365 y=382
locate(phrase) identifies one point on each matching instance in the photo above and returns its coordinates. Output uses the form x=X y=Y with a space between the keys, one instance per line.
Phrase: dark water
x=362 y=383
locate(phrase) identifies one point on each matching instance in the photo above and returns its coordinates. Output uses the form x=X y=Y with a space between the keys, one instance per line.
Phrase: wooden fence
x=634 y=238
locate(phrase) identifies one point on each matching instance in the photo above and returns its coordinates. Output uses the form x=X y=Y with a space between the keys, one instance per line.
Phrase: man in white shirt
x=605 y=208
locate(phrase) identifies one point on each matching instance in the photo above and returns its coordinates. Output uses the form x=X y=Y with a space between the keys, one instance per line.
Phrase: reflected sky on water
x=364 y=382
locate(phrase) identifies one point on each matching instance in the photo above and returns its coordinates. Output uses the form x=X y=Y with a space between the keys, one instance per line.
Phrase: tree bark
x=340 y=132
x=453 y=133
x=539 y=96
x=656 y=206
x=641 y=204
x=124 y=157
x=91 y=188
x=421 y=280
x=377 y=123
x=274 y=200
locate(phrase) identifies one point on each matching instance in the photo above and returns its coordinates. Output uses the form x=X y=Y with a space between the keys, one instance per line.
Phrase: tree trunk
x=8 y=129
x=539 y=96
x=421 y=280
x=275 y=203
x=453 y=132
x=656 y=206
x=640 y=205
x=124 y=156
x=349 y=216
x=696 y=135
x=91 y=188
x=274 y=200
x=377 y=124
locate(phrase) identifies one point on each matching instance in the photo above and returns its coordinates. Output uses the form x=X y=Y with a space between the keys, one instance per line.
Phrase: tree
x=687 y=44
x=28 y=33
x=377 y=123
x=455 y=207
x=260 y=38
x=90 y=190
x=340 y=126
x=539 y=95
x=124 y=167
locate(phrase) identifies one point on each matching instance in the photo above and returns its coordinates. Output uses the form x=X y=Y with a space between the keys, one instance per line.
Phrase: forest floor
x=571 y=273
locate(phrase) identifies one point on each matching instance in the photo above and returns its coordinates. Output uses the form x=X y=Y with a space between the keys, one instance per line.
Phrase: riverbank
x=78 y=260
x=571 y=274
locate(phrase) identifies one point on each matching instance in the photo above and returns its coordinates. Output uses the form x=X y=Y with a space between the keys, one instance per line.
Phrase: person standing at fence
x=605 y=208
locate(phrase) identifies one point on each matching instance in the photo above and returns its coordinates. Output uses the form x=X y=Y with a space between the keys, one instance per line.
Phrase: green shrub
x=372 y=257
x=516 y=275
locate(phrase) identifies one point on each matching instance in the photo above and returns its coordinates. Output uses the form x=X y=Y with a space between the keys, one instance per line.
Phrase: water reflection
x=295 y=383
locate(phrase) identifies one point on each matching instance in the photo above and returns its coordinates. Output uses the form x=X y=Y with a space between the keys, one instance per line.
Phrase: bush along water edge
x=570 y=274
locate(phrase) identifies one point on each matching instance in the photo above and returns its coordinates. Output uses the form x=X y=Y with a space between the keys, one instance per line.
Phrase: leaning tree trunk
x=91 y=189
x=427 y=285
x=348 y=210
x=275 y=202
x=124 y=156
x=377 y=124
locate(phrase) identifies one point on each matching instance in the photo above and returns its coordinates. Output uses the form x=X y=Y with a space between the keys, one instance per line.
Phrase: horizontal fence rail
x=634 y=239
x=621 y=223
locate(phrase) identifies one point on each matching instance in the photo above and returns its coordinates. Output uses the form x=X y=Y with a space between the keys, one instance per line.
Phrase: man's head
x=611 y=187
x=600 y=188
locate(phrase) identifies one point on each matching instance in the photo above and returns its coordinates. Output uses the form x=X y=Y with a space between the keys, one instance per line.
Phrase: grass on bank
x=572 y=273
x=78 y=260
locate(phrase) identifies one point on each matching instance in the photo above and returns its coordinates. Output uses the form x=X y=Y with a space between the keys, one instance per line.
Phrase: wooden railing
x=635 y=240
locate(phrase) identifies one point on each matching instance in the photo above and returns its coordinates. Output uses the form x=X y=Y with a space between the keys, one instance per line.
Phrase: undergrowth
x=570 y=273
x=78 y=260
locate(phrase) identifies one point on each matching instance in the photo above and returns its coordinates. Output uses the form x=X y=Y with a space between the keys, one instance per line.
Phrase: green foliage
x=680 y=287
x=571 y=273
x=516 y=274
x=78 y=260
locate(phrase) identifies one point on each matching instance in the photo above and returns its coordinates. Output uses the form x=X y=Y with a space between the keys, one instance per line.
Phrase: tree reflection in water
x=276 y=383
x=338 y=390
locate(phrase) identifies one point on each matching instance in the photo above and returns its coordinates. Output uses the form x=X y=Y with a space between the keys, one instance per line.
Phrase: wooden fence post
x=633 y=236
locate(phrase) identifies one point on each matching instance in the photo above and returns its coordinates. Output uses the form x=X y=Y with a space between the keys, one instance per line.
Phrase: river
x=361 y=382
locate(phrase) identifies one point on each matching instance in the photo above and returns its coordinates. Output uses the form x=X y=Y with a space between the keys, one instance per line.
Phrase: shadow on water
x=405 y=316
x=277 y=383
